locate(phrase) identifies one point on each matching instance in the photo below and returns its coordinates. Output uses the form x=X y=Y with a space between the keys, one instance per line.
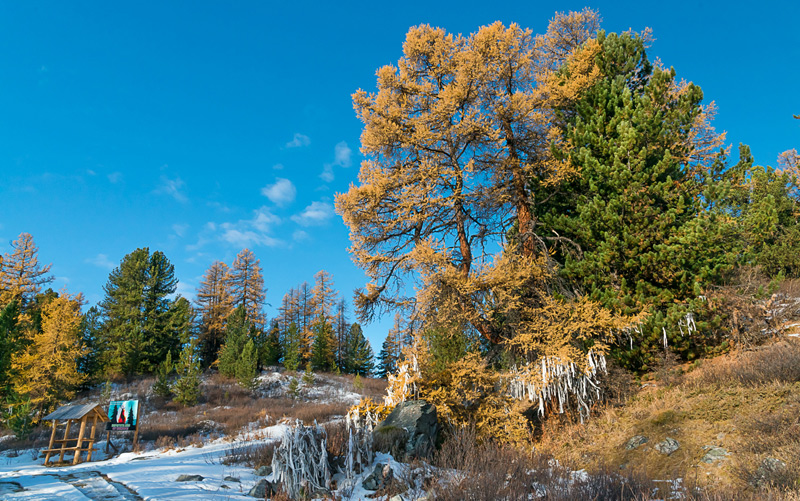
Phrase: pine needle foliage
x=246 y=366
x=187 y=384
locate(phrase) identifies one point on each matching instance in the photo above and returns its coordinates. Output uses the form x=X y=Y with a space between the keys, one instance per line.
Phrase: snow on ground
x=130 y=476
x=152 y=475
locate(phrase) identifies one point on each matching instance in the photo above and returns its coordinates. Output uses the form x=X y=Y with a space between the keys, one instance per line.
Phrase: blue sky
x=199 y=128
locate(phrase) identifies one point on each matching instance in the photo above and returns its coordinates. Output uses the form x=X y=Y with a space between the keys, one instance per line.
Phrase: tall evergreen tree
x=187 y=384
x=291 y=348
x=631 y=217
x=247 y=286
x=322 y=357
x=359 y=359
x=237 y=334
x=341 y=328
x=9 y=345
x=214 y=305
x=246 y=366
x=272 y=350
x=141 y=323
x=89 y=364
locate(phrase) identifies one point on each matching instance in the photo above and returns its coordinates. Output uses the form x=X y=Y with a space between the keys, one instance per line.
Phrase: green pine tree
x=9 y=345
x=291 y=348
x=638 y=237
x=187 y=384
x=236 y=337
x=272 y=351
x=359 y=355
x=246 y=366
x=322 y=356
x=162 y=387
x=141 y=323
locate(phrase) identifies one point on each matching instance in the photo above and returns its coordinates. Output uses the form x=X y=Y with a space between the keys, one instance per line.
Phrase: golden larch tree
x=214 y=304
x=324 y=298
x=47 y=370
x=247 y=286
x=21 y=275
x=458 y=141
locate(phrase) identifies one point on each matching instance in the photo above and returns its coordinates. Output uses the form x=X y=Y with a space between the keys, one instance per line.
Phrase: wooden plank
x=52 y=438
x=77 y=457
x=63 y=446
x=91 y=439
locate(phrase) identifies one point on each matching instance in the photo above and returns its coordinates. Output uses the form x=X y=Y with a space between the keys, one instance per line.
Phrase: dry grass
x=746 y=402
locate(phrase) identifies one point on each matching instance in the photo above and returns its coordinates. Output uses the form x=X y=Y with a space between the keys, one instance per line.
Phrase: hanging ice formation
x=300 y=462
x=554 y=380
x=359 y=445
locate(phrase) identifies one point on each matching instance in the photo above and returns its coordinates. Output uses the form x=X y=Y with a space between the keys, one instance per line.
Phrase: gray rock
x=264 y=471
x=190 y=478
x=231 y=479
x=412 y=428
x=262 y=489
x=635 y=442
x=668 y=446
x=380 y=477
x=767 y=470
x=713 y=454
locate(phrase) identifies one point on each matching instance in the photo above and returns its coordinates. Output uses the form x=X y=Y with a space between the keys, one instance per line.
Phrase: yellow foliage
x=21 y=275
x=369 y=412
x=469 y=392
x=47 y=370
x=453 y=137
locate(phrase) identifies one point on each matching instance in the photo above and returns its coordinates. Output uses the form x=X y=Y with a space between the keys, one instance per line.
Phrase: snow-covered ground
x=152 y=475
x=130 y=476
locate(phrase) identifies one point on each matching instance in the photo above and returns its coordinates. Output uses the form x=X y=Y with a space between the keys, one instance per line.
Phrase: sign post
x=123 y=415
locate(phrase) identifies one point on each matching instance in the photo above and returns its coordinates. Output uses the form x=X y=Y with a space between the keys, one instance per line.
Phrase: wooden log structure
x=87 y=414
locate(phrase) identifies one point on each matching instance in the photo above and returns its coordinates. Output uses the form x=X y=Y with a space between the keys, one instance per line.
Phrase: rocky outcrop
x=667 y=446
x=635 y=442
x=409 y=431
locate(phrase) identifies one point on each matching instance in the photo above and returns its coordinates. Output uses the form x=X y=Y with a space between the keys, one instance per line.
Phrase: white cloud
x=91 y=172
x=300 y=236
x=173 y=188
x=277 y=167
x=341 y=154
x=180 y=229
x=250 y=232
x=316 y=214
x=101 y=261
x=281 y=193
x=327 y=173
x=114 y=177
x=341 y=158
x=298 y=141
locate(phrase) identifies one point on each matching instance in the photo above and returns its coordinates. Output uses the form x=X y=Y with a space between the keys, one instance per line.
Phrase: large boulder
x=409 y=431
x=262 y=489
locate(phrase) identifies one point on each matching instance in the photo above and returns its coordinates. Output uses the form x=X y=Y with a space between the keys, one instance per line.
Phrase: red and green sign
x=123 y=415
